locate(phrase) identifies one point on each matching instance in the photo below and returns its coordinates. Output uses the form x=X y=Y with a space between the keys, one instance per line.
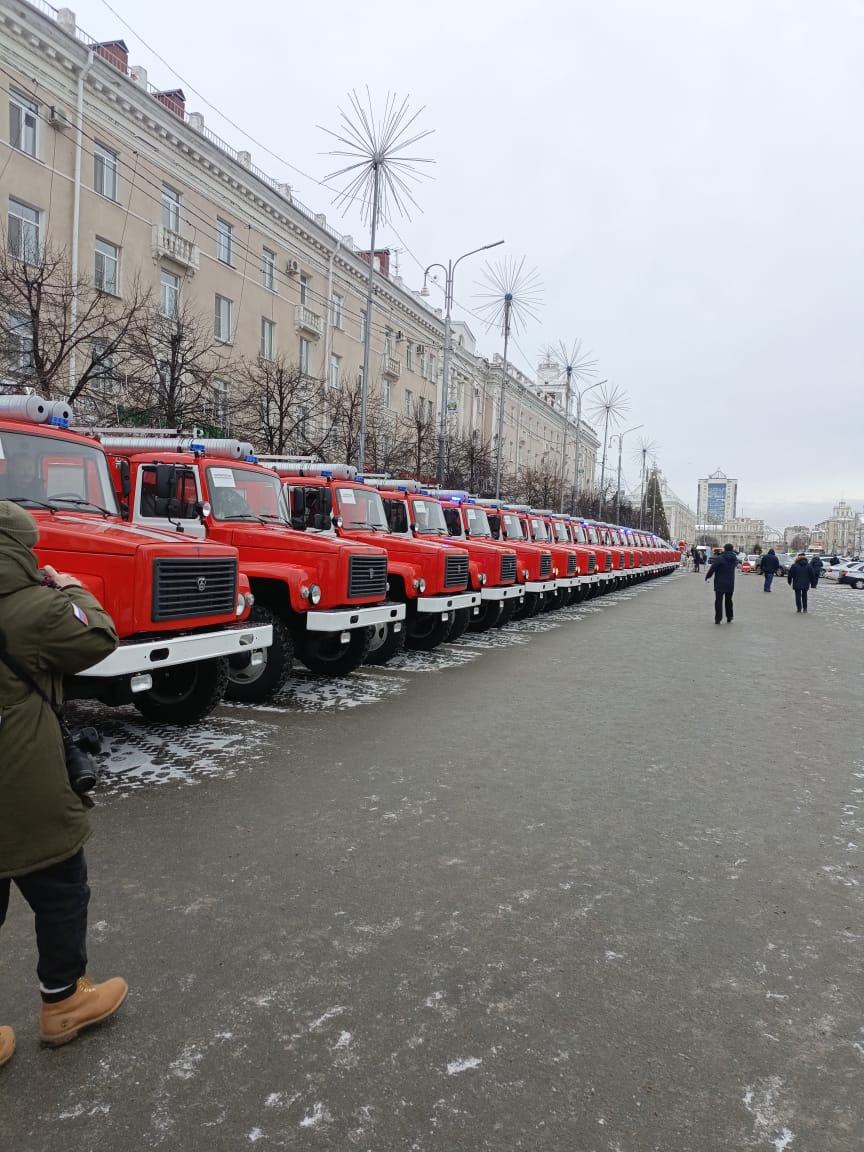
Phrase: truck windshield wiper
x=80 y=503
x=242 y=516
x=31 y=500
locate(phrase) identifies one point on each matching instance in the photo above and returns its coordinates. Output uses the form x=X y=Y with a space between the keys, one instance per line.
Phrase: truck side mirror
x=164 y=481
x=125 y=478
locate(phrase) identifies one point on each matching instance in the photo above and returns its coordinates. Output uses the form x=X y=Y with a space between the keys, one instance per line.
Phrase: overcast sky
x=686 y=176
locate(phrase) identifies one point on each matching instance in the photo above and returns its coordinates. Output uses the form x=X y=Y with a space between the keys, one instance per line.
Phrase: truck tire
x=324 y=652
x=489 y=614
x=577 y=594
x=385 y=643
x=511 y=607
x=462 y=618
x=557 y=599
x=255 y=684
x=184 y=693
x=531 y=605
x=426 y=630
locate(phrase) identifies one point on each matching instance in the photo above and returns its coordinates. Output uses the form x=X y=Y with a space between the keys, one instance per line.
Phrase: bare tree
x=471 y=463
x=280 y=408
x=422 y=432
x=62 y=337
x=179 y=372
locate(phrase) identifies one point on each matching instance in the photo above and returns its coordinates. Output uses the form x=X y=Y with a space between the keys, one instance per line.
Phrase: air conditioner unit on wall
x=57 y=118
x=292 y=267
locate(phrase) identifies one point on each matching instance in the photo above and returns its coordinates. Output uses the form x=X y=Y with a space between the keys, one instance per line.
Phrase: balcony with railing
x=167 y=242
x=306 y=320
x=391 y=368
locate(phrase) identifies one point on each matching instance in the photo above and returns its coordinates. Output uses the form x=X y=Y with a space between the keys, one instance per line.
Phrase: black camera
x=80 y=748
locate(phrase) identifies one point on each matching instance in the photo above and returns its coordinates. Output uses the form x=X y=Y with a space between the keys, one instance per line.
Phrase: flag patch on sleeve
x=80 y=614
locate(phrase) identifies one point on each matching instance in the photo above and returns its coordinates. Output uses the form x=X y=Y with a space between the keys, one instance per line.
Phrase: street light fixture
x=577 y=470
x=445 y=365
x=621 y=436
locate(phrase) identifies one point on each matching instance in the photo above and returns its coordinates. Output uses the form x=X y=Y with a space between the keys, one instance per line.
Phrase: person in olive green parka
x=51 y=632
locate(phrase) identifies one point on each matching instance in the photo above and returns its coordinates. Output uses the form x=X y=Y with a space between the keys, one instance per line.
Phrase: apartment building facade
x=141 y=195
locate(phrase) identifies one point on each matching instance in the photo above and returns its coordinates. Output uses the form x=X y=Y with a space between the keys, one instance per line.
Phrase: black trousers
x=59 y=896
x=719 y=598
x=801 y=598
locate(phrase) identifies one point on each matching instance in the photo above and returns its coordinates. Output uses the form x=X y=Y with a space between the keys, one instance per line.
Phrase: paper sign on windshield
x=222 y=478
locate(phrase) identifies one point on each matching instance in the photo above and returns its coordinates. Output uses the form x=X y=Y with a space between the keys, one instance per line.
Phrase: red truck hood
x=82 y=533
x=273 y=536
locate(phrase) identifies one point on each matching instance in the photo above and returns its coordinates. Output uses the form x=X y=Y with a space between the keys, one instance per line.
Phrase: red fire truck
x=323 y=598
x=180 y=605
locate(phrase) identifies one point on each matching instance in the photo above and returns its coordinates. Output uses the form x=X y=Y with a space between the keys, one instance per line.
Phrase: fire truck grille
x=367 y=576
x=571 y=565
x=186 y=589
x=456 y=572
x=608 y=561
x=632 y=559
x=592 y=562
x=508 y=569
x=545 y=565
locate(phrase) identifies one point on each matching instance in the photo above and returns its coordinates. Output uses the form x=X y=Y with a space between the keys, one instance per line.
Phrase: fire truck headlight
x=420 y=585
x=314 y=593
x=241 y=604
x=554 y=571
x=525 y=573
x=482 y=577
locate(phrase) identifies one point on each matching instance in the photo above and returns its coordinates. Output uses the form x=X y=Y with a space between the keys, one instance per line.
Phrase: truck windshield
x=560 y=531
x=238 y=493
x=592 y=535
x=538 y=527
x=361 y=508
x=38 y=469
x=478 y=522
x=579 y=534
x=453 y=517
x=512 y=526
x=431 y=519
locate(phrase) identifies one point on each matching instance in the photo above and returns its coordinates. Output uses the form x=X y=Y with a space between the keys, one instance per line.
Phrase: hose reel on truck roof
x=36 y=410
x=290 y=467
x=129 y=445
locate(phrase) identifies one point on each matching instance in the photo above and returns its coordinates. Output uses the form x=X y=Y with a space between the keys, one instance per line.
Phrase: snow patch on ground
x=465 y=1064
x=769 y=1126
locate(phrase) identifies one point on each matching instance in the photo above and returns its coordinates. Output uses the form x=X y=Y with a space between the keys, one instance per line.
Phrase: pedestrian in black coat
x=722 y=569
x=697 y=557
x=770 y=567
x=799 y=577
x=816 y=567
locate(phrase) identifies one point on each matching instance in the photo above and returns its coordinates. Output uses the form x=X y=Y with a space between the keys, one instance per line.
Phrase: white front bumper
x=540 y=586
x=345 y=619
x=504 y=592
x=448 y=603
x=569 y=581
x=151 y=655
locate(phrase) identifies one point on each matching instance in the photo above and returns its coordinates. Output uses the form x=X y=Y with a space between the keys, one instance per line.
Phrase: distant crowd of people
x=722 y=564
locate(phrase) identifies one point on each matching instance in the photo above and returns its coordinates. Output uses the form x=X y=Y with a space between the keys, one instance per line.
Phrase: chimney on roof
x=115 y=52
x=174 y=100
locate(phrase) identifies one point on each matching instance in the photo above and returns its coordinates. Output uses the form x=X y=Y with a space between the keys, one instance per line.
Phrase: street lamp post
x=445 y=361
x=621 y=436
x=576 y=469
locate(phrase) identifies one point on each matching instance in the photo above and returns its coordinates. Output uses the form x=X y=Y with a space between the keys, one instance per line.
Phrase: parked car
x=785 y=558
x=852 y=574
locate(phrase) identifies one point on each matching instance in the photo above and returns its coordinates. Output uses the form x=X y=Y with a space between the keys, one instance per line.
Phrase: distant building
x=679 y=516
x=743 y=532
x=790 y=533
x=839 y=532
x=717 y=499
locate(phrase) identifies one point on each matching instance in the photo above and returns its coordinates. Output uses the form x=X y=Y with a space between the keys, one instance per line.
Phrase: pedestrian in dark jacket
x=770 y=567
x=816 y=567
x=722 y=569
x=49 y=632
x=800 y=578
x=697 y=558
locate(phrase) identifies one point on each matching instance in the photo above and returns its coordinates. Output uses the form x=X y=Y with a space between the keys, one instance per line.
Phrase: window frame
x=305 y=355
x=305 y=288
x=221 y=314
x=268 y=269
x=408 y=403
x=20 y=329
x=334 y=370
x=175 y=288
x=107 y=161
x=24 y=224
x=386 y=392
x=267 y=347
x=105 y=377
x=337 y=311
x=224 y=242
x=170 y=199
x=114 y=290
x=25 y=106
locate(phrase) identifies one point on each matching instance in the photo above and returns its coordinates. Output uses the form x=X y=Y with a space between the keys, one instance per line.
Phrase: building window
x=23 y=124
x=335 y=370
x=363 y=326
x=102 y=374
x=423 y=362
x=432 y=367
x=385 y=392
x=220 y=403
x=305 y=354
x=20 y=344
x=268 y=338
x=268 y=270
x=105 y=167
x=337 y=310
x=409 y=357
x=107 y=267
x=408 y=407
x=25 y=225
x=224 y=241
x=222 y=320
x=170 y=208
x=169 y=294
x=305 y=288
x=388 y=342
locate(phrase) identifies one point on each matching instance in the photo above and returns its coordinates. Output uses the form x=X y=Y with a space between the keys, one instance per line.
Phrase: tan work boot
x=7 y=1044
x=89 y=1004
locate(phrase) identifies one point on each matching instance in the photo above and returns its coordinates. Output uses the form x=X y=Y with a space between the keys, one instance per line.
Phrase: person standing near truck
x=816 y=567
x=722 y=570
x=697 y=558
x=770 y=568
x=50 y=627
x=800 y=577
